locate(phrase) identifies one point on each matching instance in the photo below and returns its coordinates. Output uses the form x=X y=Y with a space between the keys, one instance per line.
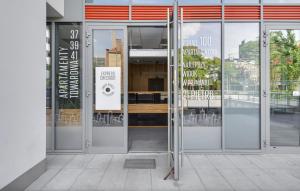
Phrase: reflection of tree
x=249 y=50
x=209 y=69
x=285 y=60
x=232 y=76
x=242 y=74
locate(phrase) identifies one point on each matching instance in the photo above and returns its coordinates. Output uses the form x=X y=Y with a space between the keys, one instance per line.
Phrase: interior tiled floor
x=88 y=172
x=148 y=139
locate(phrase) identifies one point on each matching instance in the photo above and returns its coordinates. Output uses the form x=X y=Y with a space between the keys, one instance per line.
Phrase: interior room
x=147 y=89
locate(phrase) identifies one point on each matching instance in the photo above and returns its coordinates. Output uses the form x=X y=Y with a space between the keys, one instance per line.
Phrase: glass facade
x=242 y=86
x=222 y=86
x=68 y=102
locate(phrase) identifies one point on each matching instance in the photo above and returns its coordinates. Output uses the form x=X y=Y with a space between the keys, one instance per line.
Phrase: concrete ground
x=88 y=172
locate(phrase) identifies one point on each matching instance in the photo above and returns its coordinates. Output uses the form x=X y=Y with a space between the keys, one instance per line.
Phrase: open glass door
x=173 y=96
x=107 y=89
x=283 y=88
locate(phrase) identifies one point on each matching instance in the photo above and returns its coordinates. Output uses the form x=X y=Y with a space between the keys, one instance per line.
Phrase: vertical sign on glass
x=202 y=86
x=68 y=101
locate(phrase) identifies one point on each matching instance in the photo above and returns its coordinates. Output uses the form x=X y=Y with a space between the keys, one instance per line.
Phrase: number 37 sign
x=108 y=88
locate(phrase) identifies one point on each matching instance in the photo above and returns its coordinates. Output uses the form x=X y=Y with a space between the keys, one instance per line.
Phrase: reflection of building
x=114 y=56
x=98 y=61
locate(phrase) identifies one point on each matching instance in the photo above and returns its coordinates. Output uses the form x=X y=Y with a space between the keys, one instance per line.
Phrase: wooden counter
x=147 y=108
x=148 y=92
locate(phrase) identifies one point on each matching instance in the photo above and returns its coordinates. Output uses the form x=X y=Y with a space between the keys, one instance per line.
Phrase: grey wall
x=55 y=8
x=22 y=83
x=73 y=11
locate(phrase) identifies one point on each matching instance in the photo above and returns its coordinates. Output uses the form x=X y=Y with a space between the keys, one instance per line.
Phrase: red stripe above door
x=242 y=12
x=99 y=12
x=282 y=12
x=202 y=12
x=149 y=12
x=95 y=12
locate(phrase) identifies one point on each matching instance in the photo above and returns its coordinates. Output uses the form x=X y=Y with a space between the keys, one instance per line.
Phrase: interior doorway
x=147 y=89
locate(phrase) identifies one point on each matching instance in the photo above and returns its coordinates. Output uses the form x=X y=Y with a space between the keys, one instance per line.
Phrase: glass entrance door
x=107 y=90
x=174 y=138
x=283 y=87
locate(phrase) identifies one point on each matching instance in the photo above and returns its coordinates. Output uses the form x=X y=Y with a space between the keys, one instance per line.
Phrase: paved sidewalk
x=88 y=172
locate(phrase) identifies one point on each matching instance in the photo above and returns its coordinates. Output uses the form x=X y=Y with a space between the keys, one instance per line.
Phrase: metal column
x=176 y=120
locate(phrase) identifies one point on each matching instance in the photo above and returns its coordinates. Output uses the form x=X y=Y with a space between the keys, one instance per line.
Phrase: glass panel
x=280 y=1
x=68 y=129
x=108 y=52
x=285 y=87
x=241 y=1
x=195 y=2
x=202 y=85
x=108 y=2
x=48 y=88
x=242 y=86
x=152 y=2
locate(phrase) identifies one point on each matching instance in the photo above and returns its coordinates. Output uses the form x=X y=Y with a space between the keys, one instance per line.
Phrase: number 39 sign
x=108 y=88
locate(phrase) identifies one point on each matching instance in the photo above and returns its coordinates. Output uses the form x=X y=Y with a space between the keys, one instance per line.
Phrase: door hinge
x=265 y=35
x=87 y=36
x=264 y=93
x=87 y=43
x=88 y=93
x=87 y=143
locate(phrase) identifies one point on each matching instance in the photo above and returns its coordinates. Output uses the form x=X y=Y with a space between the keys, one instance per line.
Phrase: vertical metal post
x=263 y=88
x=125 y=84
x=169 y=88
x=222 y=77
x=130 y=10
x=53 y=91
x=181 y=88
x=175 y=73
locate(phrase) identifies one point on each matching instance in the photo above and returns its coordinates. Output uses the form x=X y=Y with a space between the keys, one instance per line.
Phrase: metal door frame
x=90 y=26
x=173 y=99
x=266 y=83
x=89 y=93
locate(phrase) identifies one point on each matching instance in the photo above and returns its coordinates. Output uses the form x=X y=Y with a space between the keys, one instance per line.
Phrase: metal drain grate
x=140 y=163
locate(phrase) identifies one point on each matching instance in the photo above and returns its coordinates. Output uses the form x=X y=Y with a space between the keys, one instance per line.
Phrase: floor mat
x=140 y=163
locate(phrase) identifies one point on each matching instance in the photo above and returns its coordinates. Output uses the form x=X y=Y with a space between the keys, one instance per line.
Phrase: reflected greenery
x=208 y=69
x=242 y=73
x=285 y=60
x=285 y=87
